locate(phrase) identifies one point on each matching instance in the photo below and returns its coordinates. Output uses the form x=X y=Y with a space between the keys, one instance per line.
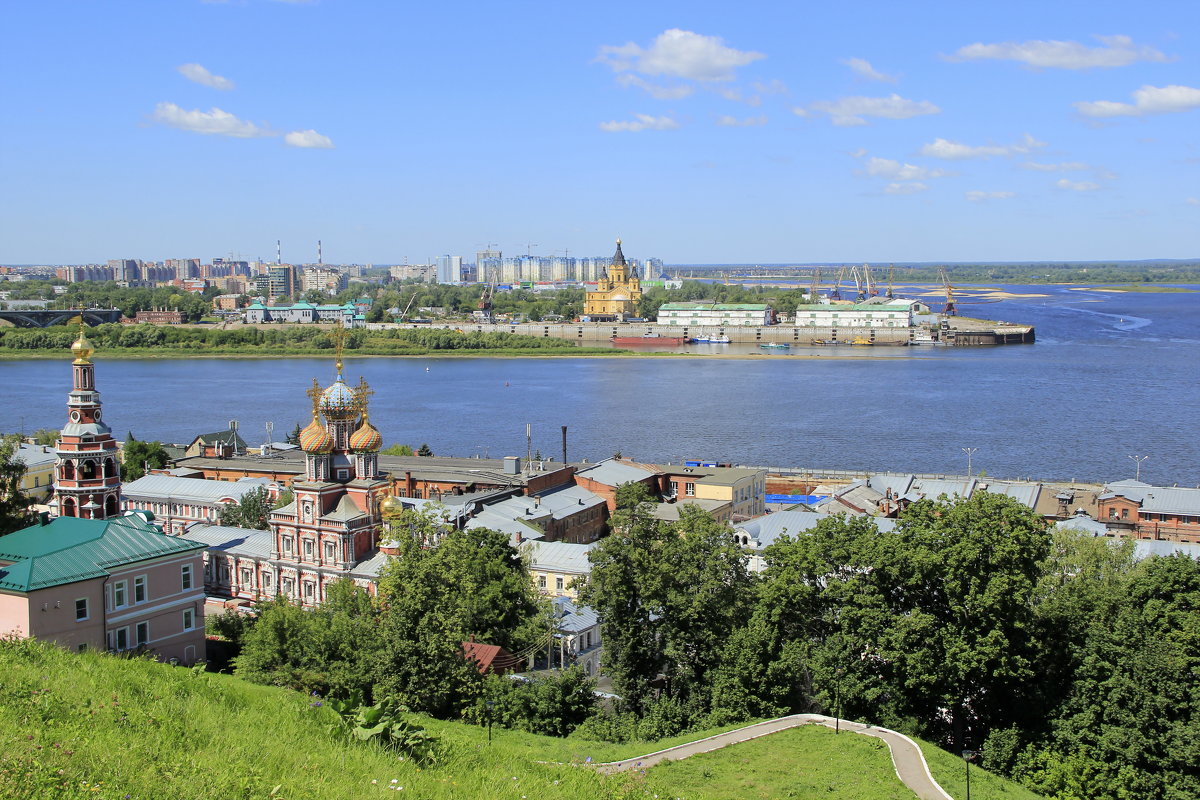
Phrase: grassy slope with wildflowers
x=96 y=726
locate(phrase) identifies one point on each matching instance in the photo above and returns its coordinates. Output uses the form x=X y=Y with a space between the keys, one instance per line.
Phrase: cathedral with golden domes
x=617 y=293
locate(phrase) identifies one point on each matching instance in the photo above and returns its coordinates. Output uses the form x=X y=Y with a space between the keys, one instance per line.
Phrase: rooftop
x=559 y=556
x=612 y=472
x=68 y=549
x=195 y=489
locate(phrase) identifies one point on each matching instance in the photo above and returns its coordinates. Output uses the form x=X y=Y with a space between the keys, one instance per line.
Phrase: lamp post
x=837 y=701
x=967 y=756
x=970 y=451
x=490 y=704
x=1138 y=460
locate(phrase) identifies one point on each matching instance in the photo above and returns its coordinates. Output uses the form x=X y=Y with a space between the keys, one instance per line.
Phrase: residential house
x=104 y=584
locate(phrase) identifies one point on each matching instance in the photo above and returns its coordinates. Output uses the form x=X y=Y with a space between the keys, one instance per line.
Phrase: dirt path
x=906 y=755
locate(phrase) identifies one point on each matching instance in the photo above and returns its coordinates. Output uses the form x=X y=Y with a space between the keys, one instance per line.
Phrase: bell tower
x=87 y=476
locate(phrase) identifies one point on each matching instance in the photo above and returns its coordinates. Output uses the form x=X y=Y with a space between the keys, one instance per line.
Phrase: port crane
x=815 y=286
x=836 y=292
x=891 y=292
x=859 y=292
x=945 y=279
x=485 y=300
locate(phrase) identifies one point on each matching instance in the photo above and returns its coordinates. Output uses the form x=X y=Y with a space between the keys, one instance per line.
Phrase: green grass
x=949 y=770
x=1143 y=287
x=252 y=351
x=97 y=726
x=807 y=762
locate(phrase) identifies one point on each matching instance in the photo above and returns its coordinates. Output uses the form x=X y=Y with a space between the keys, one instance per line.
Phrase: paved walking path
x=906 y=755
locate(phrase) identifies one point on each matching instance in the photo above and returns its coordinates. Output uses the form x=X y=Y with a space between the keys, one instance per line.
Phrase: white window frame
x=189 y=619
x=87 y=609
x=185 y=577
x=140 y=586
x=120 y=594
x=139 y=639
x=117 y=635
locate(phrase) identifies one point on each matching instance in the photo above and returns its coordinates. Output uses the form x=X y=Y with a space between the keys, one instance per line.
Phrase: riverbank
x=606 y=353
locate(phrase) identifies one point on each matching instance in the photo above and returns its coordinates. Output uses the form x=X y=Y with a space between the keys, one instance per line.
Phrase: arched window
x=68 y=507
x=87 y=470
x=68 y=470
x=110 y=467
x=110 y=506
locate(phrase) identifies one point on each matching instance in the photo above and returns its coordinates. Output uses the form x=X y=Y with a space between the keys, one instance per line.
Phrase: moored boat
x=649 y=338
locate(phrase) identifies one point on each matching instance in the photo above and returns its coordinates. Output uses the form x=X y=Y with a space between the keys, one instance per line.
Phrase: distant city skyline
x=696 y=132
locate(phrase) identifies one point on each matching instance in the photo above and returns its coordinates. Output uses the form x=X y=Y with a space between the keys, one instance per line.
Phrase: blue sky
x=699 y=132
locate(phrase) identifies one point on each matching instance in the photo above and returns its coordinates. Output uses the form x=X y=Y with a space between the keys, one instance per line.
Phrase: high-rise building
x=449 y=269
x=281 y=281
x=323 y=279
x=87 y=475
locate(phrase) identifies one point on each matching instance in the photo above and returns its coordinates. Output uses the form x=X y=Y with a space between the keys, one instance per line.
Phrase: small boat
x=861 y=341
x=775 y=346
x=649 y=338
x=711 y=340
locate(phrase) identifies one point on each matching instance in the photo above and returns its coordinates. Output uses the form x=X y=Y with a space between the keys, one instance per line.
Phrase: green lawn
x=807 y=762
x=97 y=726
x=949 y=770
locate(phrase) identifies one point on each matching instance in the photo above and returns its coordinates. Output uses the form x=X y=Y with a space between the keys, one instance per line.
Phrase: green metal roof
x=69 y=549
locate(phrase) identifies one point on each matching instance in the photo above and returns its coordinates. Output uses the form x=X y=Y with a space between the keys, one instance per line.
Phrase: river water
x=1111 y=375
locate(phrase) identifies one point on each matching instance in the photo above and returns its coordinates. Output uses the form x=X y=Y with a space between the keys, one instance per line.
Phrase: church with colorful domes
x=335 y=520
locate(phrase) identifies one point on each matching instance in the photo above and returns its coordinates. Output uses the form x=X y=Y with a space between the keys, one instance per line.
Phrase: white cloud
x=734 y=122
x=309 y=138
x=679 y=54
x=198 y=74
x=656 y=91
x=1115 y=51
x=1146 y=100
x=977 y=196
x=1193 y=201
x=1077 y=186
x=1065 y=166
x=957 y=151
x=888 y=168
x=904 y=188
x=863 y=68
x=214 y=121
x=773 y=86
x=852 y=110
x=644 y=122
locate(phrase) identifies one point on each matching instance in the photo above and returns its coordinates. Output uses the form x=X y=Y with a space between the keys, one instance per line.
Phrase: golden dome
x=366 y=438
x=315 y=439
x=390 y=505
x=82 y=349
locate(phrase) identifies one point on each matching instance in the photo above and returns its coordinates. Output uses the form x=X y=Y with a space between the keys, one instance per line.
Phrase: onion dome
x=82 y=349
x=315 y=439
x=390 y=505
x=366 y=439
x=339 y=401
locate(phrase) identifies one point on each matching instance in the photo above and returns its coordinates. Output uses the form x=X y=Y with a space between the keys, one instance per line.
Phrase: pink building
x=115 y=584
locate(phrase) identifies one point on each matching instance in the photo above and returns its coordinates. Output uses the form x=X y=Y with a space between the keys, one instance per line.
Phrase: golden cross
x=315 y=395
x=361 y=393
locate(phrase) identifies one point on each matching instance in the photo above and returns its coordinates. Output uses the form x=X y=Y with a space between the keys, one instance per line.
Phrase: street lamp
x=837 y=701
x=967 y=756
x=970 y=451
x=1138 y=460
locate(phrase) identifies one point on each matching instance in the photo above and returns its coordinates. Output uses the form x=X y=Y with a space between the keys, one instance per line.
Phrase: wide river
x=1112 y=375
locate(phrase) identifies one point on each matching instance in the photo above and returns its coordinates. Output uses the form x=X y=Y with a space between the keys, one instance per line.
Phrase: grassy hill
x=95 y=726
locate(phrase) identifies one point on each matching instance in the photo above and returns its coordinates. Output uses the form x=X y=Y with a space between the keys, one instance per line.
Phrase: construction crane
x=815 y=286
x=945 y=278
x=404 y=313
x=891 y=292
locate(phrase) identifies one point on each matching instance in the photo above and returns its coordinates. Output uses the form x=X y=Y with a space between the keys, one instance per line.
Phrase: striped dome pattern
x=315 y=439
x=366 y=439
